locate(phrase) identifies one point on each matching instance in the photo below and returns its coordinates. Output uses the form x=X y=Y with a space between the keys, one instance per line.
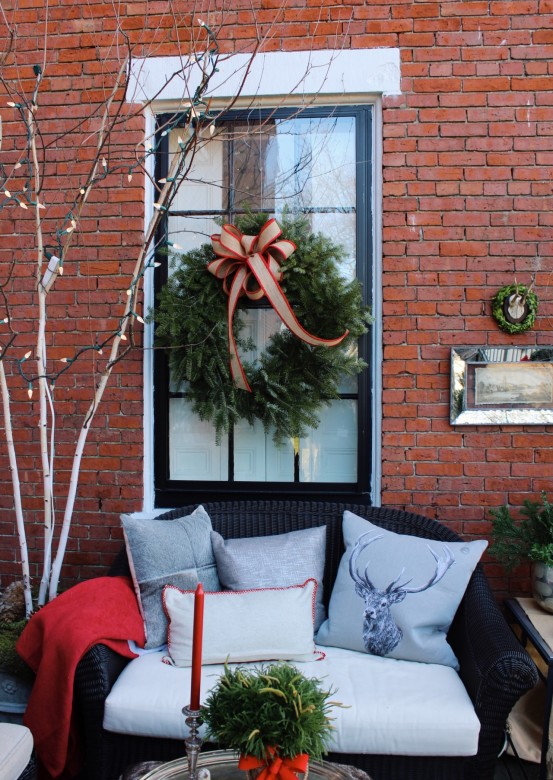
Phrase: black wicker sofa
x=494 y=669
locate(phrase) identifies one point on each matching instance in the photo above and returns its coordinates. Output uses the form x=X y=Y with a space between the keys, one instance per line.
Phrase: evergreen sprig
x=251 y=709
x=531 y=538
x=291 y=381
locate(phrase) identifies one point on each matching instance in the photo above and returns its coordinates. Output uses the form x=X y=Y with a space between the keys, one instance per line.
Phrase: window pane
x=259 y=326
x=253 y=166
x=329 y=453
x=202 y=192
x=191 y=232
x=316 y=164
x=257 y=459
x=193 y=453
x=340 y=228
x=305 y=165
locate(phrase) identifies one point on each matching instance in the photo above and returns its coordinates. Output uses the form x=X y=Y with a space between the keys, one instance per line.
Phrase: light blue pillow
x=160 y=552
x=273 y=562
x=396 y=595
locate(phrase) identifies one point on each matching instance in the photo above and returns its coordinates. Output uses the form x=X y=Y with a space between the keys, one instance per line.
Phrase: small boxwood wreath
x=291 y=381
x=500 y=303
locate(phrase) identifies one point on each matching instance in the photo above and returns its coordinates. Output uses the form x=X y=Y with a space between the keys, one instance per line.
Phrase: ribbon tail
x=287 y=773
x=288 y=768
x=236 y=368
x=299 y=763
x=280 y=304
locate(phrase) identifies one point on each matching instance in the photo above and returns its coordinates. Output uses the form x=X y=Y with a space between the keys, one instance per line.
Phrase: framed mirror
x=501 y=386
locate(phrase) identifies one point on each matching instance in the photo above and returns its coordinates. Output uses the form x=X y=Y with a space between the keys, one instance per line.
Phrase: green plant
x=276 y=706
x=524 y=294
x=531 y=538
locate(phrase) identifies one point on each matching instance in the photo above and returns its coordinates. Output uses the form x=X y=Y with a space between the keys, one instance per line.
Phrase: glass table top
x=223 y=765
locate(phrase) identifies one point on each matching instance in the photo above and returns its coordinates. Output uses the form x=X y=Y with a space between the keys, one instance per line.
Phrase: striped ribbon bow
x=275 y=768
x=250 y=265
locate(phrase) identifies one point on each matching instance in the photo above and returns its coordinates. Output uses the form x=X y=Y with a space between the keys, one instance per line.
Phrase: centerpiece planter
x=542 y=584
x=274 y=717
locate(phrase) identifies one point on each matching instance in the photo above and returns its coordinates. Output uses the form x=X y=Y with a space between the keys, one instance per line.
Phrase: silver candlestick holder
x=192 y=743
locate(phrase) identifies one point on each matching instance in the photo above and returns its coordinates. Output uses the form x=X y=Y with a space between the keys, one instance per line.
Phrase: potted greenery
x=269 y=714
x=15 y=676
x=529 y=539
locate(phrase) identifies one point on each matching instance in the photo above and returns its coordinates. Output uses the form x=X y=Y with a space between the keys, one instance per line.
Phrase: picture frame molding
x=501 y=385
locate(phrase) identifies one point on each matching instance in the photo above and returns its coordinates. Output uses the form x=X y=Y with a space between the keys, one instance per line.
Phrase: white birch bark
x=46 y=455
x=177 y=165
x=16 y=485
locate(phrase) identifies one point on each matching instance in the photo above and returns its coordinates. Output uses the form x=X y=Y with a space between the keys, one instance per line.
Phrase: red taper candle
x=197 y=648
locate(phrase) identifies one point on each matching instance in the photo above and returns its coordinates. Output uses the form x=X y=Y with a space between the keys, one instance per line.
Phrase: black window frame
x=174 y=493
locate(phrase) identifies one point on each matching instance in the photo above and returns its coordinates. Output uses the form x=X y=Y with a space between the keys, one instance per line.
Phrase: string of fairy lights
x=17 y=191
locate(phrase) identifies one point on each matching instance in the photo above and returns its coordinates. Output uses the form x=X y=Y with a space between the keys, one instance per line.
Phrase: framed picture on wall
x=501 y=386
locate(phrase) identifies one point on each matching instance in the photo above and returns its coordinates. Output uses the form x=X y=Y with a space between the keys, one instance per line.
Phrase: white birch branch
x=46 y=455
x=178 y=165
x=23 y=550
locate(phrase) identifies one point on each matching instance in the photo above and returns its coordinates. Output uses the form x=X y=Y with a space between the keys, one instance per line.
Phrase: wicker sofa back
x=495 y=670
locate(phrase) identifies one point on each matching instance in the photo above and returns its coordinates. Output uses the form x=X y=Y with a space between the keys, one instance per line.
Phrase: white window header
x=321 y=72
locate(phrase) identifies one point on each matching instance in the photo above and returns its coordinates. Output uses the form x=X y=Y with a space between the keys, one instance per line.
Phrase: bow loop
x=249 y=244
x=251 y=266
x=228 y=243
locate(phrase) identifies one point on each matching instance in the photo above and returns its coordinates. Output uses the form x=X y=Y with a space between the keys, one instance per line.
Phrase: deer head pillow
x=396 y=595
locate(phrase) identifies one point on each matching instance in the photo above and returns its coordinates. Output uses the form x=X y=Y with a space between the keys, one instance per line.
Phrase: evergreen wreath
x=291 y=380
x=500 y=303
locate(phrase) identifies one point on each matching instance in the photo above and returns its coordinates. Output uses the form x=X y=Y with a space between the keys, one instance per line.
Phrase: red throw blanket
x=102 y=610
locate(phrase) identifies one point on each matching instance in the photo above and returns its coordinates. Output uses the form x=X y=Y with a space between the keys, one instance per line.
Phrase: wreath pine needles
x=498 y=303
x=251 y=709
x=291 y=380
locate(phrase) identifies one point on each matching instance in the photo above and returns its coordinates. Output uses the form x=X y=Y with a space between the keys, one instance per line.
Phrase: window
x=314 y=162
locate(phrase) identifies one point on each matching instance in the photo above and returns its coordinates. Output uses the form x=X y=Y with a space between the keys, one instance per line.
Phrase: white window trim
x=299 y=74
x=329 y=77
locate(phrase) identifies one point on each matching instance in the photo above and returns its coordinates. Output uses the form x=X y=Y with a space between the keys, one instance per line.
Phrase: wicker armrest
x=95 y=675
x=495 y=668
x=96 y=672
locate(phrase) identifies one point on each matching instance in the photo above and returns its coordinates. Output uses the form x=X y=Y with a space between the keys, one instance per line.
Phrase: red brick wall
x=467 y=188
x=467 y=208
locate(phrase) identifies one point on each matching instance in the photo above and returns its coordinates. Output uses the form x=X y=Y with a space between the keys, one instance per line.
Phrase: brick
x=436 y=85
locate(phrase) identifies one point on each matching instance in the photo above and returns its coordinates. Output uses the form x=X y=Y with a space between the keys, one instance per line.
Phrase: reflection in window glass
x=329 y=452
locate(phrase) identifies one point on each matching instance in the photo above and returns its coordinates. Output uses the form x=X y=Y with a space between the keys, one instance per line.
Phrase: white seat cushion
x=16 y=746
x=393 y=707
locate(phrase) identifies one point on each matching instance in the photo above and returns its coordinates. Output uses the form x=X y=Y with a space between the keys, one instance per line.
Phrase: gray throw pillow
x=396 y=595
x=273 y=561
x=160 y=552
